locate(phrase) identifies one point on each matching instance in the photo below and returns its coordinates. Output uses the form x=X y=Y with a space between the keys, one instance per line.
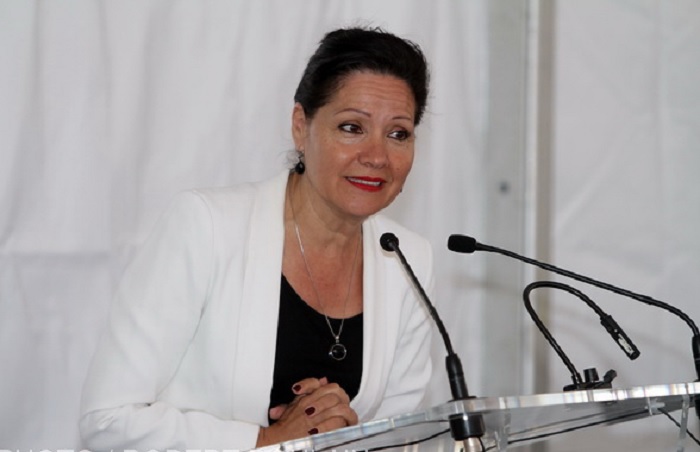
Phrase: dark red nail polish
x=296 y=388
x=310 y=410
x=313 y=431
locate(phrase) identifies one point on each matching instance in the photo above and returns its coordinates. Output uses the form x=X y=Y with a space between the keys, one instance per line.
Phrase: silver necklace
x=337 y=351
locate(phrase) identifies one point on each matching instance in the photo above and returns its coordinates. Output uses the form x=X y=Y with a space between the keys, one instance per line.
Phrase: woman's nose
x=374 y=152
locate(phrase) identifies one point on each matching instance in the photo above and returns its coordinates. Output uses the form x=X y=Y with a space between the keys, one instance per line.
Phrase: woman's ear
x=299 y=126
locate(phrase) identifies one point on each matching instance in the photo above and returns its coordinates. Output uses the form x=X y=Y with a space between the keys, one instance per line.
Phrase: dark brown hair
x=349 y=50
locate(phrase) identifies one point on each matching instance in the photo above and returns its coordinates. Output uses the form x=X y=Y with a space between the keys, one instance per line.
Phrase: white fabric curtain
x=626 y=194
x=110 y=108
x=107 y=109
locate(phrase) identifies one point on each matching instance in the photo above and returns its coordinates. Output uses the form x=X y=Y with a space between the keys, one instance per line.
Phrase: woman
x=266 y=312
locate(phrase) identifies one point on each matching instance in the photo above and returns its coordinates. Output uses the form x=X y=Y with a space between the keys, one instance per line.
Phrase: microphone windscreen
x=388 y=241
x=461 y=243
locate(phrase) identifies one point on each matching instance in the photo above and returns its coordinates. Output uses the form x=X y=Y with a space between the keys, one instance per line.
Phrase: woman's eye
x=401 y=135
x=350 y=128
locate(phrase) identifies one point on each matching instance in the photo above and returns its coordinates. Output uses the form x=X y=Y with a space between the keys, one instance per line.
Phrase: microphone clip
x=591 y=381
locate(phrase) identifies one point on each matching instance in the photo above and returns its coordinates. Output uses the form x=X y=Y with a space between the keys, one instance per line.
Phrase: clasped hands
x=318 y=407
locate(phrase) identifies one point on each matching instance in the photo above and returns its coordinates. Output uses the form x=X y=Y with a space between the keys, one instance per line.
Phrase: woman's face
x=358 y=148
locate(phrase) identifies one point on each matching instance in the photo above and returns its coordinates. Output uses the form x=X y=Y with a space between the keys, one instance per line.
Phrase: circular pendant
x=338 y=352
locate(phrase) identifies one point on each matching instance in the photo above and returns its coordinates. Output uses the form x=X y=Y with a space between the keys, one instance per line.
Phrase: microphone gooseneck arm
x=606 y=320
x=458 y=384
x=464 y=428
x=575 y=375
x=466 y=244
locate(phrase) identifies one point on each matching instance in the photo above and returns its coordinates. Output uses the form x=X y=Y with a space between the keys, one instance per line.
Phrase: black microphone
x=611 y=326
x=462 y=428
x=466 y=244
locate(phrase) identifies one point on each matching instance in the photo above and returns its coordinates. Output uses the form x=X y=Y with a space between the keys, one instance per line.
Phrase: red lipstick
x=371 y=184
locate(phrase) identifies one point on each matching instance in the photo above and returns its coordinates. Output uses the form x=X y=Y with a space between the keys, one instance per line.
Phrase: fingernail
x=296 y=388
x=313 y=431
x=310 y=410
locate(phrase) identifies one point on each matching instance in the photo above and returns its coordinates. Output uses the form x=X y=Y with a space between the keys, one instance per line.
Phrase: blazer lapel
x=375 y=366
x=260 y=301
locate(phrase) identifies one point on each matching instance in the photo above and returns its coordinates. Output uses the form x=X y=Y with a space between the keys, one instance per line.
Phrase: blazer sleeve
x=154 y=316
x=412 y=367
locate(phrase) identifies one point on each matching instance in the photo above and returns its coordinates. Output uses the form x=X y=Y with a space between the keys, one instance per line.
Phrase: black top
x=303 y=343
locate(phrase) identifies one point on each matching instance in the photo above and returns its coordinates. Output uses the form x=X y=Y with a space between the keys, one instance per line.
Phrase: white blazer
x=186 y=360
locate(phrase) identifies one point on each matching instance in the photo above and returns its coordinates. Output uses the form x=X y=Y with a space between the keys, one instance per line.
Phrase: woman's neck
x=322 y=227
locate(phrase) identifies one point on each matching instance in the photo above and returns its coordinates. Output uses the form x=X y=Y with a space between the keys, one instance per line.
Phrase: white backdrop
x=107 y=109
x=626 y=195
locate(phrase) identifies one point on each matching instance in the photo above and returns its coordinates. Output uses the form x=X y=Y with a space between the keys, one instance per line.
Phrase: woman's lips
x=367 y=183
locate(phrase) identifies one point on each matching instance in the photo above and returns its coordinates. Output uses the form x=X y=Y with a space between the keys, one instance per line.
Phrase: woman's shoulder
x=231 y=213
x=233 y=199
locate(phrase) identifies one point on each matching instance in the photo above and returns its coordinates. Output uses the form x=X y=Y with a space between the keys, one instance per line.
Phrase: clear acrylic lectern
x=508 y=420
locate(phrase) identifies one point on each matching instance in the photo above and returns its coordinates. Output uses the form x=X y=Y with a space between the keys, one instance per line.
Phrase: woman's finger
x=276 y=413
x=338 y=416
x=308 y=385
x=328 y=390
